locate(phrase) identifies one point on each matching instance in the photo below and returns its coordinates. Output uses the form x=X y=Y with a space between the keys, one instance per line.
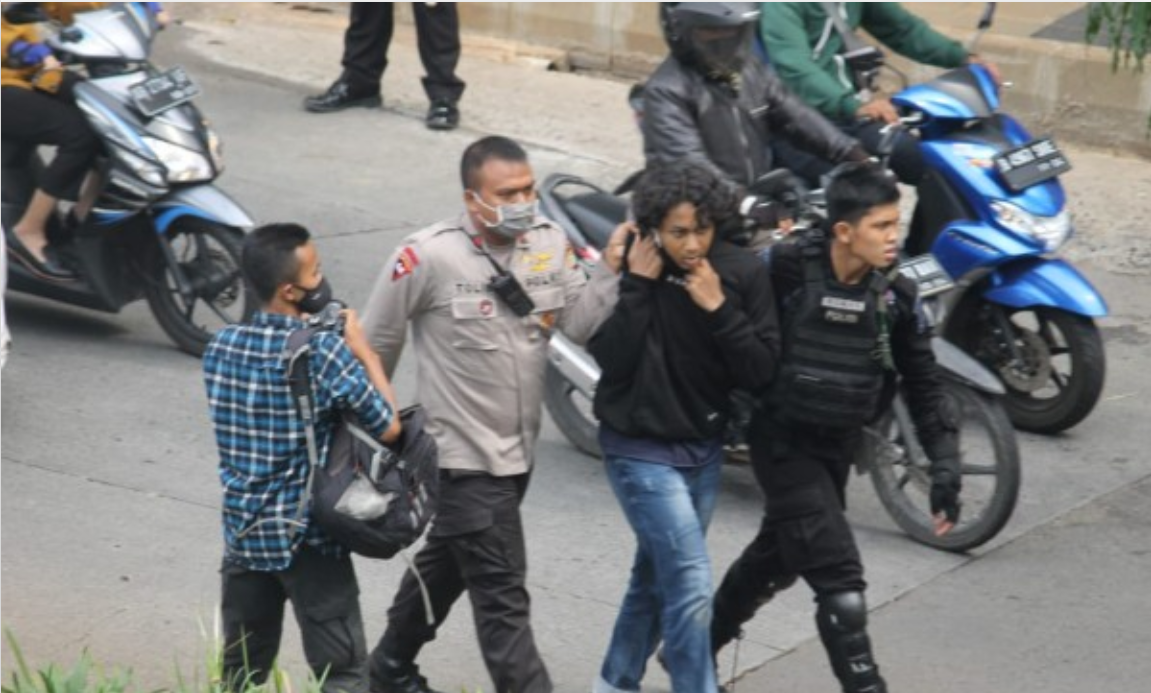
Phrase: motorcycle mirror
x=25 y=13
x=986 y=18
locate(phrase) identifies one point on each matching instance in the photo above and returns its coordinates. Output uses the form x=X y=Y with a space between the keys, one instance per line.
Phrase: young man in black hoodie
x=848 y=328
x=695 y=318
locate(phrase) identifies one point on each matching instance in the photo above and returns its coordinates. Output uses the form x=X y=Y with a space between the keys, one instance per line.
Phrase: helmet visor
x=723 y=49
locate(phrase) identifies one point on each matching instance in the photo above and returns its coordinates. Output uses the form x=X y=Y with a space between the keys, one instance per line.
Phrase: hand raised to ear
x=643 y=259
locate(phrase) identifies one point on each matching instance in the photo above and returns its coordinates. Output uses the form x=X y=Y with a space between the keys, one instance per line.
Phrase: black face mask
x=316 y=298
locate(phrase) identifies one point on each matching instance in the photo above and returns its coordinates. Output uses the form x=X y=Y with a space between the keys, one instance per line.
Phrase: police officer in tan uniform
x=483 y=292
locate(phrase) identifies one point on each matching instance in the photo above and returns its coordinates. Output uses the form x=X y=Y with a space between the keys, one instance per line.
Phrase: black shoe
x=443 y=115
x=48 y=268
x=392 y=676
x=340 y=96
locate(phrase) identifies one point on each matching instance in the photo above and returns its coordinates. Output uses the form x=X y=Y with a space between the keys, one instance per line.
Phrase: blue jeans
x=669 y=595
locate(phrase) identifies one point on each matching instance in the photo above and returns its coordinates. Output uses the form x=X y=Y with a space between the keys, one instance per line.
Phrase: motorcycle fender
x=574 y=364
x=204 y=201
x=1042 y=282
x=958 y=365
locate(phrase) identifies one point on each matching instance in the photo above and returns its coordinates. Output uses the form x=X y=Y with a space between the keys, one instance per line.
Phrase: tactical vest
x=836 y=347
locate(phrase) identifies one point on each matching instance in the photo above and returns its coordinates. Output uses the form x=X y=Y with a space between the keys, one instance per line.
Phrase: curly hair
x=664 y=186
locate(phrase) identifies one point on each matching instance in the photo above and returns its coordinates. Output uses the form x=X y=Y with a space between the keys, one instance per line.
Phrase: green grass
x=87 y=676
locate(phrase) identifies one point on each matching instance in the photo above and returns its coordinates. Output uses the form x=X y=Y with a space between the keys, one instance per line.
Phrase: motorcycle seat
x=597 y=214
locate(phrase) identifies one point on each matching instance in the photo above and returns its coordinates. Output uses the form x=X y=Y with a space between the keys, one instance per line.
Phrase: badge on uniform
x=842 y=310
x=406 y=263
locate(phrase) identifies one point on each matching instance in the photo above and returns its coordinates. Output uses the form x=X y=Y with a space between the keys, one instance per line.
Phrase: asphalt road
x=110 y=527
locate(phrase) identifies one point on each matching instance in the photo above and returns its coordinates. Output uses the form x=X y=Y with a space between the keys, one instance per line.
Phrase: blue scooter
x=993 y=213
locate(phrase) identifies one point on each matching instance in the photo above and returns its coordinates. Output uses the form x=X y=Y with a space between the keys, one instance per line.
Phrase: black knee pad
x=842 y=621
x=843 y=612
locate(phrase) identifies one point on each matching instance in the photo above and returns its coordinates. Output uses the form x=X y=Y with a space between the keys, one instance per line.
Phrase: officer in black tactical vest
x=849 y=325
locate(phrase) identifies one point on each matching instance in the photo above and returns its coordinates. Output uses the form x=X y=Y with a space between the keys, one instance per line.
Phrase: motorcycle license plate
x=166 y=90
x=1032 y=163
x=927 y=273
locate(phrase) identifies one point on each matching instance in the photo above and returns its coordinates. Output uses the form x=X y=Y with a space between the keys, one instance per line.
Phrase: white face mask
x=512 y=220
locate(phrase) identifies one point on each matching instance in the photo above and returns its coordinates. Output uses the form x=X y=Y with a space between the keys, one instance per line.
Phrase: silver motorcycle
x=160 y=229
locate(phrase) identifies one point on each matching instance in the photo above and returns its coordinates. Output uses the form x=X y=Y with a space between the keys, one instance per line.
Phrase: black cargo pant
x=805 y=533
x=437 y=32
x=325 y=598
x=476 y=544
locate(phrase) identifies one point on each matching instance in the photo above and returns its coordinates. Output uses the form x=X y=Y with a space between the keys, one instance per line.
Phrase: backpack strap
x=297 y=352
x=811 y=250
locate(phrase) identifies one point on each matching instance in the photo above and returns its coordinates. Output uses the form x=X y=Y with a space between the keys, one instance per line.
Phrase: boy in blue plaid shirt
x=270 y=557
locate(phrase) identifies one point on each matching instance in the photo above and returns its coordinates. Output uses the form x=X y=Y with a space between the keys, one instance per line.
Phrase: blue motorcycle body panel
x=1041 y=282
x=203 y=201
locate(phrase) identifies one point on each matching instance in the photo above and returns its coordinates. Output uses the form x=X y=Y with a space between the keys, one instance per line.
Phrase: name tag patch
x=842 y=311
x=475 y=308
x=843 y=304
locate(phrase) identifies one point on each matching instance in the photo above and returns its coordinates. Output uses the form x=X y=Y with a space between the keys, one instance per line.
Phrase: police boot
x=842 y=621
x=393 y=676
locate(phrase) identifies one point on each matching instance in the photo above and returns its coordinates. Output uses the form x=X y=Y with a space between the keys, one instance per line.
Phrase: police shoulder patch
x=406 y=263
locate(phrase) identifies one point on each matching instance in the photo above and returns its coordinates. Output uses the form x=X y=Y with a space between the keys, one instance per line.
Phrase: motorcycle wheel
x=209 y=255
x=1060 y=377
x=990 y=466
x=571 y=411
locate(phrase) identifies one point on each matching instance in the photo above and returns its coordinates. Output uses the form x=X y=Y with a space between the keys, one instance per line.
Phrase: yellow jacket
x=62 y=12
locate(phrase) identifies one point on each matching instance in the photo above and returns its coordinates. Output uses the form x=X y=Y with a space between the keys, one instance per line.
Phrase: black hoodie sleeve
x=748 y=335
x=935 y=423
x=619 y=342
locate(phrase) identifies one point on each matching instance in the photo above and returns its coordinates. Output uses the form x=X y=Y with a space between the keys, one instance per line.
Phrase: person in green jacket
x=806 y=51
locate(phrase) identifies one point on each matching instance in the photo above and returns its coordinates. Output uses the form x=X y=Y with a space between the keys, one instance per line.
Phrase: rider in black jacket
x=708 y=103
x=695 y=317
x=848 y=330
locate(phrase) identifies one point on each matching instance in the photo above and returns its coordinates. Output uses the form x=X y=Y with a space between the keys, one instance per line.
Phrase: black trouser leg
x=906 y=157
x=252 y=611
x=475 y=544
x=35 y=117
x=495 y=567
x=842 y=622
x=804 y=532
x=755 y=577
x=438 y=36
x=325 y=596
x=408 y=628
x=366 y=42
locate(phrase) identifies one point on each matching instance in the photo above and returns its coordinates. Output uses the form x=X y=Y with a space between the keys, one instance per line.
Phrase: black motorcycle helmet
x=713 y=37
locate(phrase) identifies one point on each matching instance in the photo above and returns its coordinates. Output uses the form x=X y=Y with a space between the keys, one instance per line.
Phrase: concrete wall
x=1060 y=88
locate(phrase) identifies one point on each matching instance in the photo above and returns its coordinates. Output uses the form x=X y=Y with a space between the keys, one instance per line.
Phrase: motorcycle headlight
x=143 y=169
x=184 y=165
x=1052 y=231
